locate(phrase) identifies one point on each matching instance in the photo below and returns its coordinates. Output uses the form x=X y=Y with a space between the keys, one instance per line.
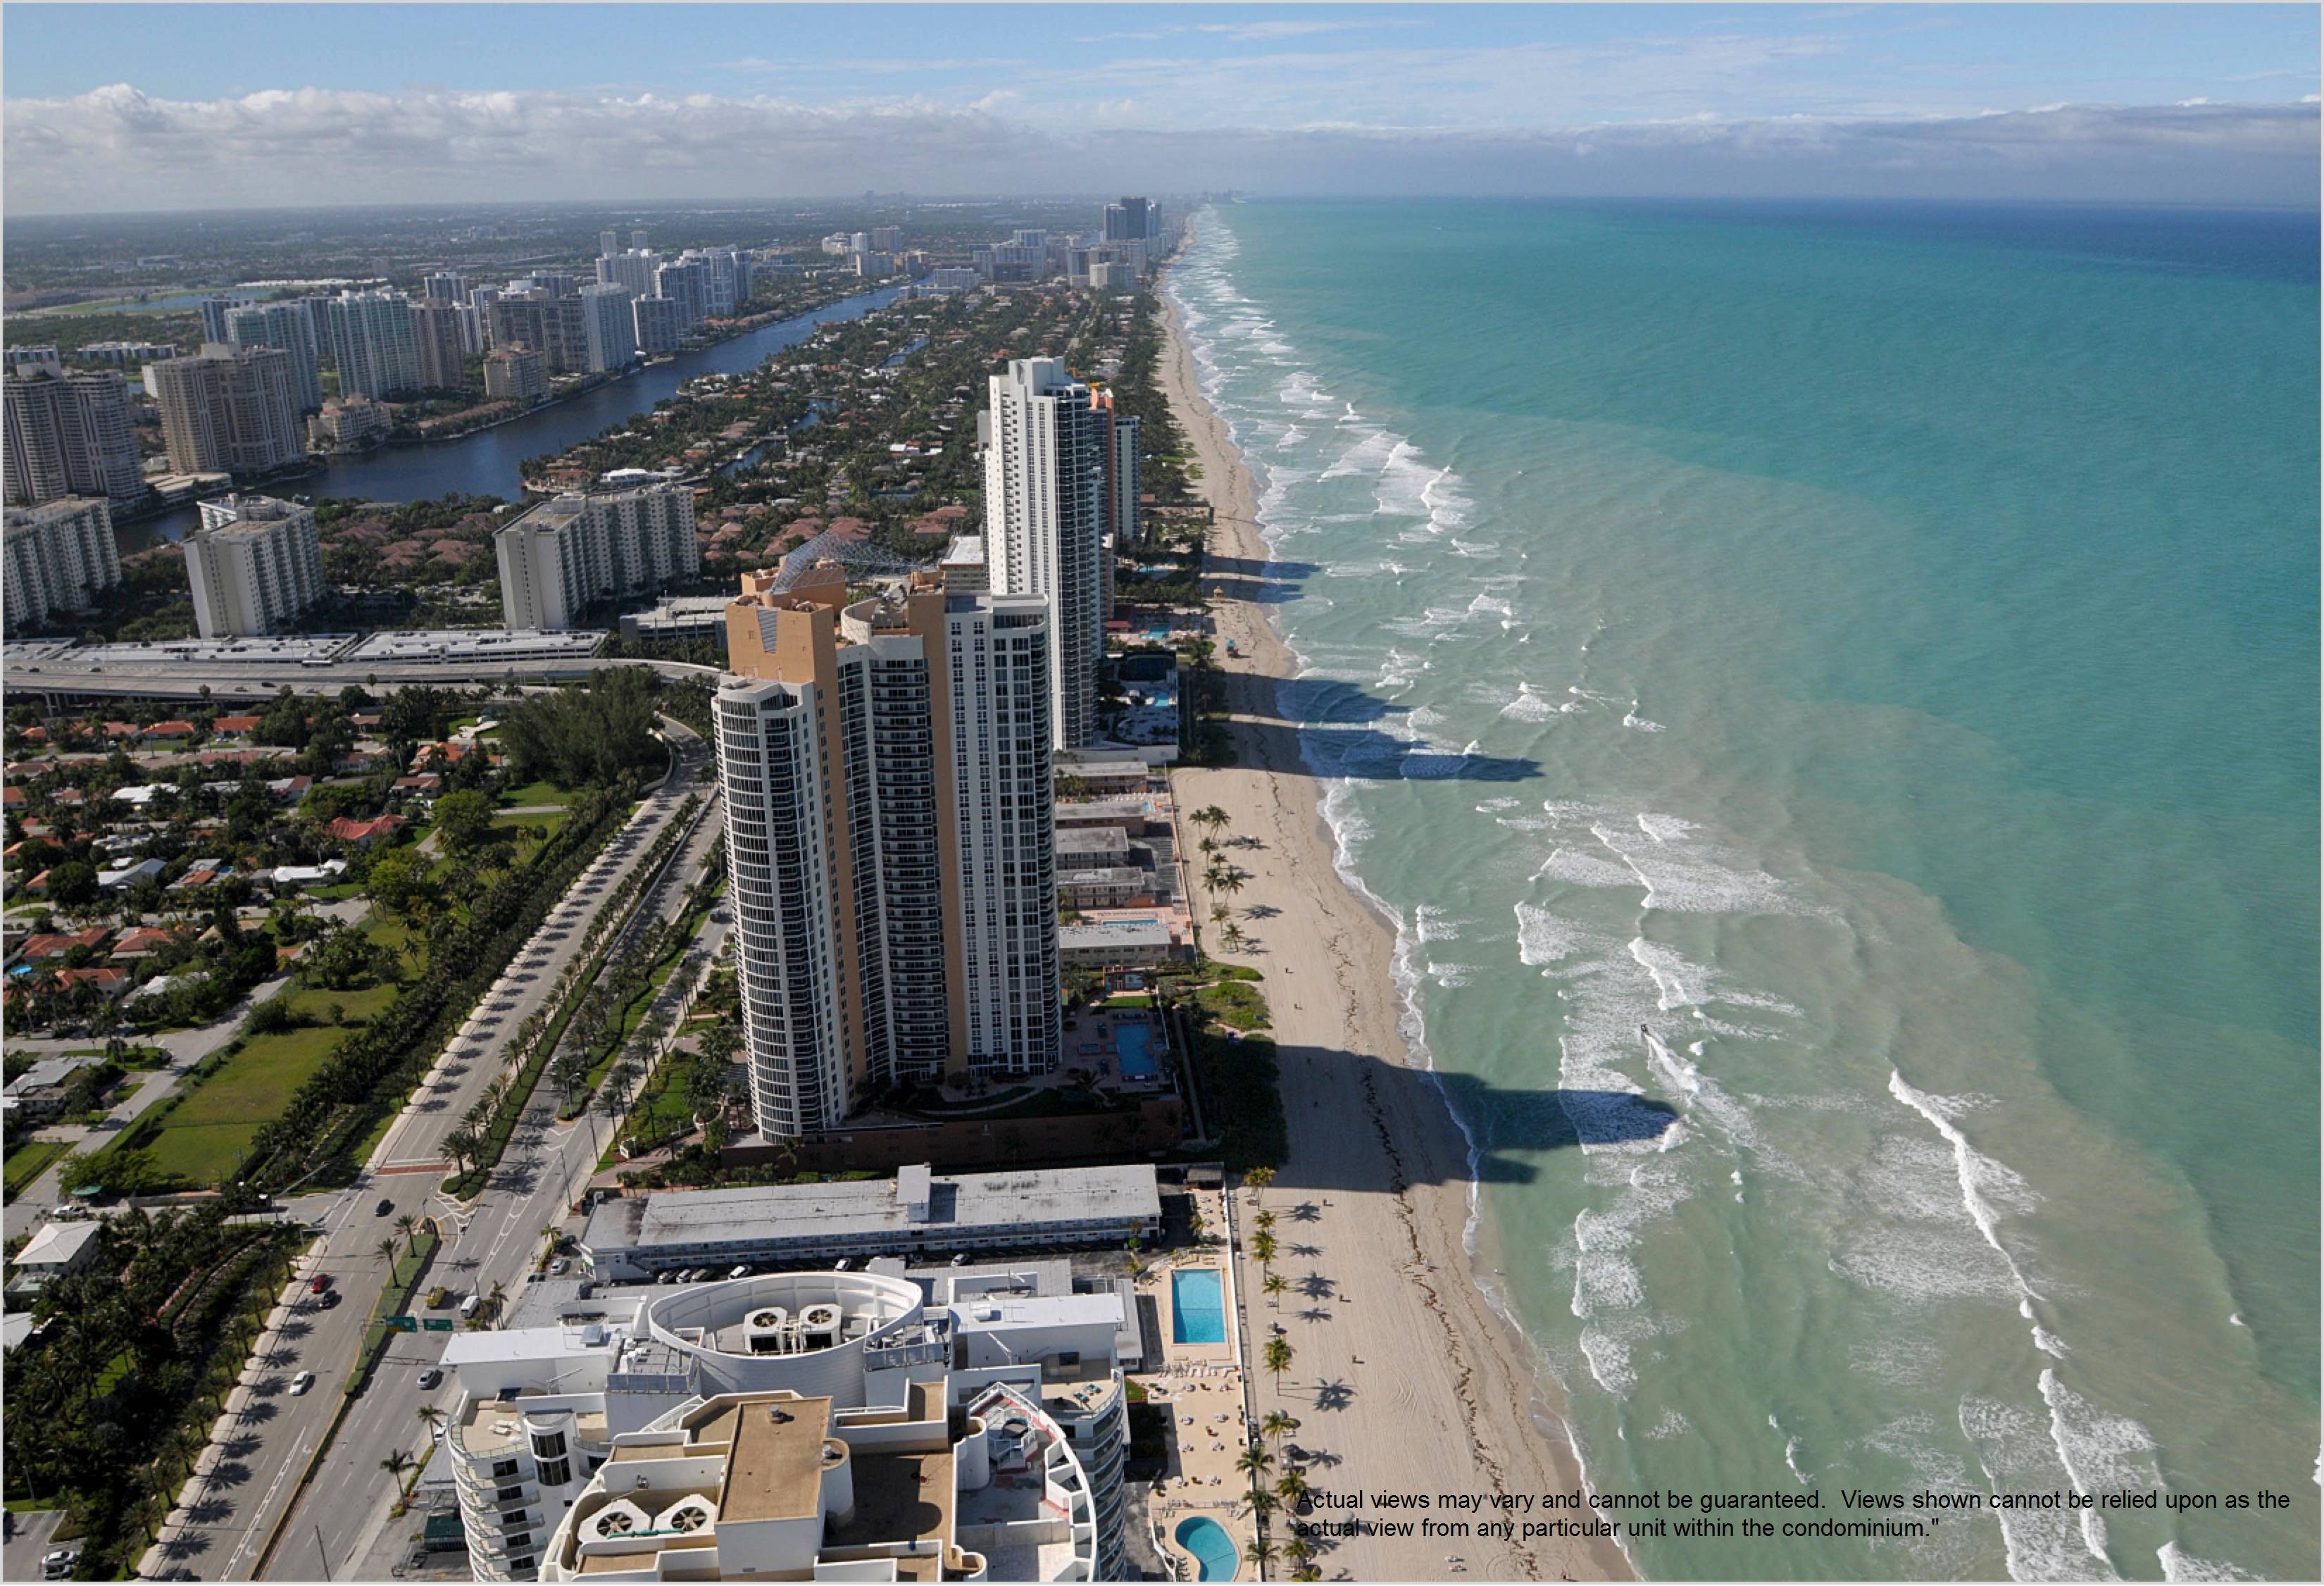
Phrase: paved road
x=28 y=1539
x=61 y=678
x=498 y=1241
x=226 y=1518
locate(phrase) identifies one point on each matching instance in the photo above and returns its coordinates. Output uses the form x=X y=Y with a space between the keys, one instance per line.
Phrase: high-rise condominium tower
x=1045 y=522
x=440 y=339
x=886 y=773
x=378 y=353
x=255 y=564
x=229 y=412
x=609 y=325
x=574 y=549
x=290 y=328
x=69 y=435
x=61 y=557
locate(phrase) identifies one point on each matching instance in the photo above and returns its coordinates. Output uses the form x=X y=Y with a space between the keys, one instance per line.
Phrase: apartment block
x=61 y=557
x=286 y=326
x=69 y=435
x=575 y=548
x=438 y=336
x=371 y=337
x=229 y=411
x=255 y=566
x=610 y=325
x=659 y=323
x=515 y=372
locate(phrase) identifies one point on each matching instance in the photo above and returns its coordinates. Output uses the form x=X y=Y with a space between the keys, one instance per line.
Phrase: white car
x=58 y=1565
x=301 y=1383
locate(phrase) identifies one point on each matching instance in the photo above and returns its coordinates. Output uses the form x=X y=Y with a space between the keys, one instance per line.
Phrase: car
x=430 y=1377
x=557 y=1267
x=960 y=1258
x=301 y=1383
x=58 y=1565
x=319 y=1284
x=841 y=1265
x=742 y=1271
x=663 y=1275
x=331 y=1300
x=384 y=1208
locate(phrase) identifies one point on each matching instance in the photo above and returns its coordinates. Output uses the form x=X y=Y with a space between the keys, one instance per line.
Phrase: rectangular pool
x=1133 y=1042
x=1198 y=1312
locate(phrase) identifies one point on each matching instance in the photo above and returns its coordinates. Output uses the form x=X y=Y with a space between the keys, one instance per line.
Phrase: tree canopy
x=581 y=735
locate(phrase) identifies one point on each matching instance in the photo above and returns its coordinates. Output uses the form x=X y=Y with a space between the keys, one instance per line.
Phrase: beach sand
x=1405 y=1378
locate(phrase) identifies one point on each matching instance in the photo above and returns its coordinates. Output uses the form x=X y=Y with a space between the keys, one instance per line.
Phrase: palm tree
x=1277 y=1426
x=1264 y=1219
x=1233 y=938
x=1208 y=846
x=1255 y=1461
x=408 y=1226
x=1258 y=1179
x=431 y=1417
x=1213 y=876
x=1231 y=881
x=395 y=1465
x=1275 y=1286
x=1308 y=1571
x=386 y=1252
x=1276 y=1358
x=1219 y=912
x=1209 y=815
x=1262 y=1248
x=1262 y=1554
x=1291 y=1487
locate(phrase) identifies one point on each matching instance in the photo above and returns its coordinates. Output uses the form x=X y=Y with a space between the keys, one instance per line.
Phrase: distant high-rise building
x=638 y=238
x=726 y=280
x=255 y=566
x=1034 y=237
x=634 y=270
x=378 y=353
x=576 y=550
x=446 y=286
x=214 y=312
x=688 y=282
x=515 y=372
x=1045 y=522
x=288 y=327
x=1121 y=462
x=886 y=239
x=610 y=326
x=1130 y=221
x=659 y=323
x=318 y=318
x=437 y=334
x=890 y=816
x=70 y=435
x=609 y=240
x=229 y=411
x=61 y=557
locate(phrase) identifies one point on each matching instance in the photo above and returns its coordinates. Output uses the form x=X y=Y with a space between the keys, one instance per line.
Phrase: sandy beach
x=1405 y=1380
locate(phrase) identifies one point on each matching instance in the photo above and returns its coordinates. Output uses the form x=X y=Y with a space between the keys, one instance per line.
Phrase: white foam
x=2181 y=1565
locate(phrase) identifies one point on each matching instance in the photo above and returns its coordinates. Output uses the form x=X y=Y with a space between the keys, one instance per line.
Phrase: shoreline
x=1407 y=1374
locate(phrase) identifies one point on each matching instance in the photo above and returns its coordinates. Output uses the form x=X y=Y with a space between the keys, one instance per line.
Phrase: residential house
x=57 y=943
x=140 y=942
x=129 y=875
x=169 y=735
x=357 y=833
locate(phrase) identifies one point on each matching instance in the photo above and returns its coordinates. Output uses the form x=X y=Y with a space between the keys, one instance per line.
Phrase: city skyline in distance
x=165 y=108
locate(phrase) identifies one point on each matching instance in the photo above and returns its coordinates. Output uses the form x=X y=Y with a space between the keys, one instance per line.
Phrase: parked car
x=557 y=1267
x=301 y=1383
x=430 y=1377
x=58 y=1565
x=742 y=1271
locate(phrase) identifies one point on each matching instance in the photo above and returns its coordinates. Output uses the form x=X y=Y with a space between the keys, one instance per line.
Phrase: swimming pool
x=1133 y=1040
x=1212 y=1548
x=1198 y=1312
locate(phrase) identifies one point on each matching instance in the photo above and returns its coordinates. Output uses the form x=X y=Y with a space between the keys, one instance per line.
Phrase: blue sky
x=132 y=105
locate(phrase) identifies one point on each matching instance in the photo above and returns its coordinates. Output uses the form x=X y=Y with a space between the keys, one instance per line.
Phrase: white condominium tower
x=889 y=805
x=286 y=326
x=61 y=557
x=255 y=564
x=608 y=326
x=377 y=350
x=230 y=412
x=69 y=435
x=574 y=549
x=1045 y=522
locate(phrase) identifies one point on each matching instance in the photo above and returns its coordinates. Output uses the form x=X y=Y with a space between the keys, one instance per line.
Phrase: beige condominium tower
x=886 y=770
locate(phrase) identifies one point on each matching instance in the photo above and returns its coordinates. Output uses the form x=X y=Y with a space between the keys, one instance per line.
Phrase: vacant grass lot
x=533 y=793
x=209 y=1129
x=28 y=1161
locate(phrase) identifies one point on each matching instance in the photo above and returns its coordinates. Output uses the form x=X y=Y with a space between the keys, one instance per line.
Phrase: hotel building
x=888 y=796
x=574 y=548
x=815 y=1424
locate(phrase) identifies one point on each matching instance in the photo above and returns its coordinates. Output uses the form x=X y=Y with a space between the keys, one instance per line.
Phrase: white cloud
x=117 y=148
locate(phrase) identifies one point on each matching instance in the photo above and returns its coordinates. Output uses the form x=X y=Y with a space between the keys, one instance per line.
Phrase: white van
x=470 y=1306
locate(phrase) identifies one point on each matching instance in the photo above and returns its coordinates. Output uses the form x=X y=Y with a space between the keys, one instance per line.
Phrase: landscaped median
x=402 y=1288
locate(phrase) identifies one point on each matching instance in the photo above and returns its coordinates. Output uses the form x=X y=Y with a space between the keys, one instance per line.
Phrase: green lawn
x=206 y=1134
x=535 y=793
x=28 y=1161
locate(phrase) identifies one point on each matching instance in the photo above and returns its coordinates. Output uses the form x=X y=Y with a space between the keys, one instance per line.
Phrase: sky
x=175 y=106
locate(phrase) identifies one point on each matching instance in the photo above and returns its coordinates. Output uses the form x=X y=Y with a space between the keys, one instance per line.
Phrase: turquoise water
x=1132 y=1039
x=1198 y=1312
x=1212 y=1548
x=1830 y=696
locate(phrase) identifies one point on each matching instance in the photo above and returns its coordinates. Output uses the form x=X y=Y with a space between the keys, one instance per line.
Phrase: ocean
x=1829 y=693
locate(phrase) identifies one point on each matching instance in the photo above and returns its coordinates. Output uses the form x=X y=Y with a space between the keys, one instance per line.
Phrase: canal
x=487 y=463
